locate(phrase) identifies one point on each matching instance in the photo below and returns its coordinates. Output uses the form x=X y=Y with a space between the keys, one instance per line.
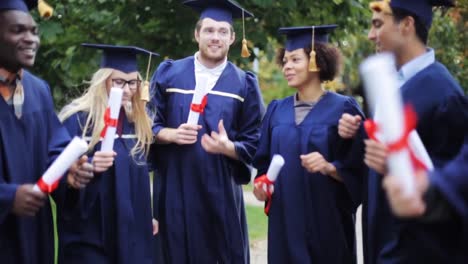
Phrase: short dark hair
x=421 y=30
x=328 y=60
x=199 y=25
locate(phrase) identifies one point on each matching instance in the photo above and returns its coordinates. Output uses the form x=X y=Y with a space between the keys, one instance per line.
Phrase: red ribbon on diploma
x=402 y=143
x=46 y=188
x=108 y=122
x=200 y=108
x=263 y=179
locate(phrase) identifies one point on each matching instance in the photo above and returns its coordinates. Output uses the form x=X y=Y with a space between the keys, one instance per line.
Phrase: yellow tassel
x=144 y=92
x=45 y=10
x=313 y=62
x=381 y=6
x=245 y=51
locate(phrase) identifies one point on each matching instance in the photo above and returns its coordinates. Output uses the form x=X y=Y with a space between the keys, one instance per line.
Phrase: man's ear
x=408 y=25
x=233 y=38
x=196 y=34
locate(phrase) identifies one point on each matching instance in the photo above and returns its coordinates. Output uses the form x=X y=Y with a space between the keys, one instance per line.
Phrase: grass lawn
x=257 y=223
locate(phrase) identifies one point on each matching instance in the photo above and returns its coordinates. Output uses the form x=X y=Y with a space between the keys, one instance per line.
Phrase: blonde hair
x=94 y=102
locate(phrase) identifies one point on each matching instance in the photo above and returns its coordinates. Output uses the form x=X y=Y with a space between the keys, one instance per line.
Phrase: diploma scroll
x=198 y=100
x=380 y=79
x=276 y=164
x=50 y=179
x=110 y=119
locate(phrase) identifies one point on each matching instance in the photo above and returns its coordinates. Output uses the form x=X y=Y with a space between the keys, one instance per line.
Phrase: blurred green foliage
x=166 y=27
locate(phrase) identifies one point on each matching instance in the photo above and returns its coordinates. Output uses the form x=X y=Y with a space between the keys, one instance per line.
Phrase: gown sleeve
x=158 y=101
x=246 y=141
x=263 y=156
x=349 y=157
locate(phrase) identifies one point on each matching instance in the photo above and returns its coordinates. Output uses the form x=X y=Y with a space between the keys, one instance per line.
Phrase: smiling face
x=19 y=40
x=385 y=33
x=296 y=68
x=128 y=82
x=214 y=39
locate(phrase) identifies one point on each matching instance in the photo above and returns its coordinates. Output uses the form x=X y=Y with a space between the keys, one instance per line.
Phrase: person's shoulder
x=30 y=77
x=437 y=73
x=170 y=66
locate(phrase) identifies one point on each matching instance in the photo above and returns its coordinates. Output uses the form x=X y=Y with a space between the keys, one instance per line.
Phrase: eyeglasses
x=120 y=83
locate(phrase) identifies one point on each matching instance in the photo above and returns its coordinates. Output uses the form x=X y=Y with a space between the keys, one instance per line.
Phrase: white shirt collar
x=411 y=68
x=199 y=67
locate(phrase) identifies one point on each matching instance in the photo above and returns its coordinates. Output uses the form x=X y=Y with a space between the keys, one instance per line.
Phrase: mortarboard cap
x=301 y=37
x=306 y=36
x=26 y=5
x=124 y=58
x=222 y=11
x=219 y=10
x=421 y=8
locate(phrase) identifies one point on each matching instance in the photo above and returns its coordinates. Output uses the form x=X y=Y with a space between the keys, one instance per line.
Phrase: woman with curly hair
x=313 y=201
x=110 y=221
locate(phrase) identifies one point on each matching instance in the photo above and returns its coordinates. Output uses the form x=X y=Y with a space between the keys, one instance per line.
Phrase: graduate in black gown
x=315 y=197
x=401 y=27
x=31 y=137
x=110 y=221
x=201 y=166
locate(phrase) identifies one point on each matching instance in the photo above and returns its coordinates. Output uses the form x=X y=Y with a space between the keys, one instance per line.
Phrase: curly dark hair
x=328 y=59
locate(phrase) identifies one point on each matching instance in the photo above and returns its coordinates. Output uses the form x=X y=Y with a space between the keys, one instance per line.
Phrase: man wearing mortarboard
x=31 y=137
x=202 y=162
x=401 y=27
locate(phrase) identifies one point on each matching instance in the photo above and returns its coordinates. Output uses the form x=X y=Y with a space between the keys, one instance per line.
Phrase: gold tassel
x=144 y=93
x=313 y=56
x=313 y=62
x=381 y=6
x=45 y=10
x=245 y=50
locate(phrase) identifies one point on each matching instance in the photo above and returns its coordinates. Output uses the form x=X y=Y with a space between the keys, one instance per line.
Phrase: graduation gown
x=109 y=221
x=202 y=218
x=311 y=218
x=442 y=112
x=27 y=146
x=452 y=183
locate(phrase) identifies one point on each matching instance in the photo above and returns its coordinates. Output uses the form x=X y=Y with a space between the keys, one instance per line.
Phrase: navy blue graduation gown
x=311 y=218
x=442 y=111
x=28 y=145
x=452 y=183
x=109 y=221
x=202 y=218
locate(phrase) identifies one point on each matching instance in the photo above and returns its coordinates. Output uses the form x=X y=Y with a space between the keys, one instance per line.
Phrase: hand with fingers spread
x=348 y=125
x=376 y=156
x=403 y=204
x=218 y=142
x=27 y=201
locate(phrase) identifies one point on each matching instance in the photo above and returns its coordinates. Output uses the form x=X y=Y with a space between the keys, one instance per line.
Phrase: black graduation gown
x=311 y=218
x=110 y=220
x=27 y=147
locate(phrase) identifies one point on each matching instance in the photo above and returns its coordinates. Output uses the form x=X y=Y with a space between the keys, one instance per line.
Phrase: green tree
x=166 y=27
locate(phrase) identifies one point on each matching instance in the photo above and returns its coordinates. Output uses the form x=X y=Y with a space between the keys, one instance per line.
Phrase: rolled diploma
x=200 y=91
x=276 y=164
x=69 y=155
x=115 y=102
x=380 y=79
